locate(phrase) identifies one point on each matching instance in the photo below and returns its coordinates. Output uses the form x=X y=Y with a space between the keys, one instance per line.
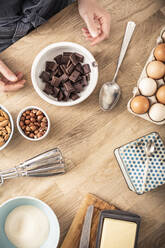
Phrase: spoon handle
x=127 y=37
x=145 y=174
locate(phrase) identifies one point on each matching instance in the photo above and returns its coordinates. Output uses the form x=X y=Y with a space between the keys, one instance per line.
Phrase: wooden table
x=86 y=135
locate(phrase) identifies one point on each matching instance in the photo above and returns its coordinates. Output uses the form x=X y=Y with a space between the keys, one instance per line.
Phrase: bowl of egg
x=148 y=99
x=27 y=222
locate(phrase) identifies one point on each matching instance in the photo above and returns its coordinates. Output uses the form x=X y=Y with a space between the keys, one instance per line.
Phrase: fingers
x=7 y=73
x=92 y=25
x=19 y=75
x=11 y=86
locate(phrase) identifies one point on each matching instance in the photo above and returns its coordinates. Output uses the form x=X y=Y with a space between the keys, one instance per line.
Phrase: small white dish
x=21 y=131
x=8 y=206
x=12 y=127
x=48 y=54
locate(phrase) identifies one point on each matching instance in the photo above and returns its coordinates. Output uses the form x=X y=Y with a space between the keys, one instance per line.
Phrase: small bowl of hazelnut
x=6 y=127
x=33 y=123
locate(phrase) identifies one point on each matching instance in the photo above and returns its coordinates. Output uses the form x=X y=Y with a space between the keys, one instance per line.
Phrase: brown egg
x=155 y=69
x=161 y=94
x=159 y=52
x=140 y=104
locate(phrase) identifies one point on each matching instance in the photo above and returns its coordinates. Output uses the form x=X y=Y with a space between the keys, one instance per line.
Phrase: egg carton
x=136 y=92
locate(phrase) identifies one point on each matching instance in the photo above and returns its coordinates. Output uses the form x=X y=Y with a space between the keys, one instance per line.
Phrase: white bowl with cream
x=23 y=211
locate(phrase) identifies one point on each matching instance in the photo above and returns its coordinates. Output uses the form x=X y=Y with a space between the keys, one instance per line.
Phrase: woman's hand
x=8 y=80
x=97 y=20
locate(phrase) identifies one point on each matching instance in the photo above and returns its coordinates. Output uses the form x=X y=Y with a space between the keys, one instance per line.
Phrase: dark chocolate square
x=86 y=68
x=74 y=96
x=58 y=59
x=68 y=87
x=75 y=74
x=45 y=76
x=55 y=81
x=73 y=59
x=51 y=66
x=80 y=57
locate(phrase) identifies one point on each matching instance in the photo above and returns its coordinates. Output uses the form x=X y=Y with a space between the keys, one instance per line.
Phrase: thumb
x=91 y=25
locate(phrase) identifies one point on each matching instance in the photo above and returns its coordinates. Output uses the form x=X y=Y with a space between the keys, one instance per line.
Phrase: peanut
x=4 y=123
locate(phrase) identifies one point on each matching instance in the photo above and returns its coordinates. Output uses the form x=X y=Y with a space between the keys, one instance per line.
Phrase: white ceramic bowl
x=8 y=206
x=12 y=127
x=21 y=131
x=47 y=54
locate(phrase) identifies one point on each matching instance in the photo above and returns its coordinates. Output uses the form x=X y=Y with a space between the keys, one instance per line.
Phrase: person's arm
x=8 y=80
x=97 y=20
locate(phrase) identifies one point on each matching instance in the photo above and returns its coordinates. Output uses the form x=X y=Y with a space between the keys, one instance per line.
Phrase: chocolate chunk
x=67 y=53
x=60 y=72
x=80 y=57
x=64 y=59
x=74 y=96
x=54 y=73
x=73 y=59
x=68 y=87
x=69 y=69
x=75 y=74
x=48 y=89
x=45 y=76
x=88 y=77
x=84 y=81
x=78 y=87
x=55 y=81
x=56 y=91
x=64 y=78
x=69 y=63
x=79 y=68
x=58 y=59
x=63 y=68
x=60 y=96
x=86 y=68
x=51 y=66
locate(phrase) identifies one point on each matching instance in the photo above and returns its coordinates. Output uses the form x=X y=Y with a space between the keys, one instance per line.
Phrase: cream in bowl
x=31 y=227
x=64 y=74
x=28 y=222
x=33 y=123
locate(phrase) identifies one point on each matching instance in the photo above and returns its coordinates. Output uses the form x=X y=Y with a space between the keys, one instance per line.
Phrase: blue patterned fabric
x=133 y=157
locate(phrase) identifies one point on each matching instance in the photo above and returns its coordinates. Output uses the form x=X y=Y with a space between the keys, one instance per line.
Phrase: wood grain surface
x=72 y=238
x=86 y=135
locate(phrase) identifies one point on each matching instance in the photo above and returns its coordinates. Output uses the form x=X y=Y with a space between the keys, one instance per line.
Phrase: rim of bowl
x=39 y=91
x=40 y=202
x=12 y=127
x=19 y=128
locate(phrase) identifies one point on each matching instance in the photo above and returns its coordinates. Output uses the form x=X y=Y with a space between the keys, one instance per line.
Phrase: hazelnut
x=40 y=134
x=23 y=127
x=39 y=113
x=27 y=117
x=40 y=117
x=32 y=114
x=34 y=111
x=21 y=123
x=24 y=114
x=22 y=118
x=28 y=129
x=31 y=135
x=43 y=124
x=44 y=119
x=36 y=131
x=27 y=122
x=27 y=112
x=32 y=119
x=33 y=128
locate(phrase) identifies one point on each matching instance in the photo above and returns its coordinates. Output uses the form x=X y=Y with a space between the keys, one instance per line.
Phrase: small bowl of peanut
x=6 y=127
x=33 y=123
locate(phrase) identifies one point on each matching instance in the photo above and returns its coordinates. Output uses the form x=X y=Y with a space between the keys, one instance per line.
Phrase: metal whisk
x=49 y=163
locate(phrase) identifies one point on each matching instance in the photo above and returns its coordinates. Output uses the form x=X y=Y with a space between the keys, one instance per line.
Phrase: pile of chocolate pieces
x=66 y=76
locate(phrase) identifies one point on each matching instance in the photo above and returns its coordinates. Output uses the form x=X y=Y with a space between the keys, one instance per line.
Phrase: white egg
x=157 y=112
x=147 y=86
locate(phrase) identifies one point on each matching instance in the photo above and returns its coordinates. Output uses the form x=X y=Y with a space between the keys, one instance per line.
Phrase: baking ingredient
x=5 y=127
x=118 y=233
x=156 y=69
x=147 y=86
x=27 y=227
x=157 y=112
x=33 y=123
x=159 y=52
x=66 y=77
x=160 y=94
x=140 y=104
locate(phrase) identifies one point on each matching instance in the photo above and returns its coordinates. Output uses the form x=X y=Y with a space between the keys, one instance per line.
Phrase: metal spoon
x=149 y=150
x=110 y=91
